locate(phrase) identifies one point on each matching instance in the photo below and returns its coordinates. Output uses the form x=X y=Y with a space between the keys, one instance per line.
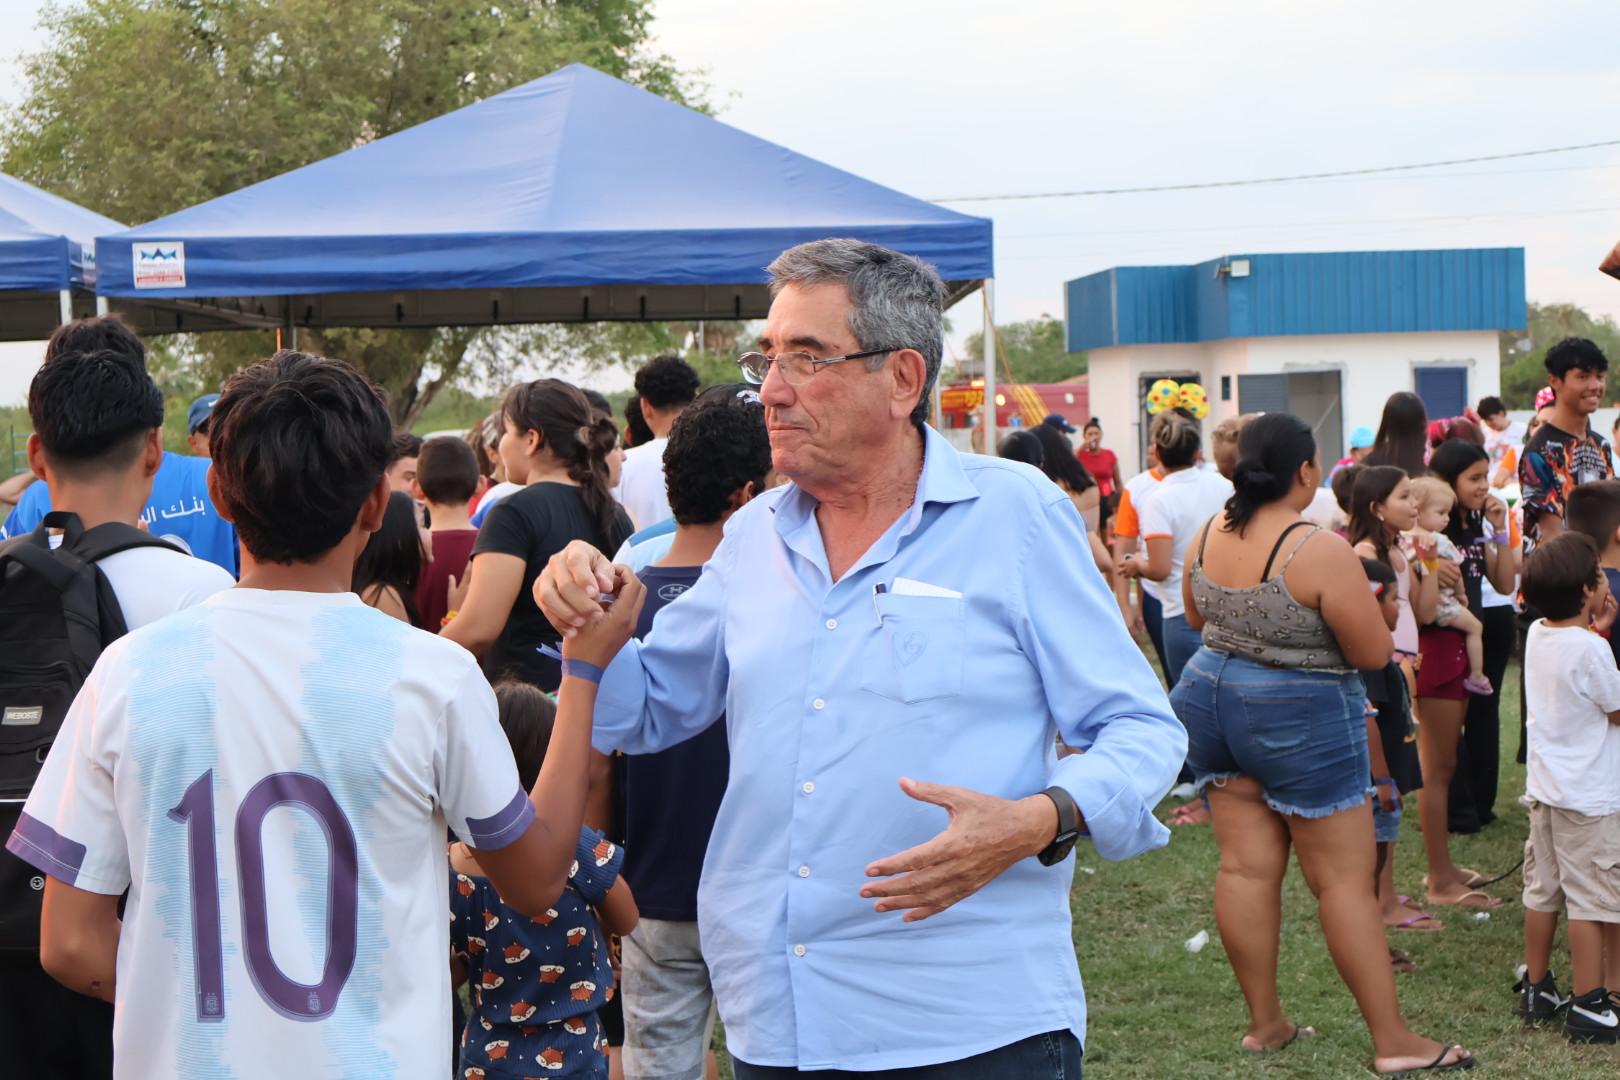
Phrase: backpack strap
x=89 y=547
x=64 y=570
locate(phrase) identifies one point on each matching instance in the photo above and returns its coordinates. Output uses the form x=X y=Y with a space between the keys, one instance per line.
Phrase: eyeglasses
x=797 y=368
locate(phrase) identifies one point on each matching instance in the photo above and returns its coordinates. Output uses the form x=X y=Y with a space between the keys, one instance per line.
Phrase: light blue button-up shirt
x=832 y=692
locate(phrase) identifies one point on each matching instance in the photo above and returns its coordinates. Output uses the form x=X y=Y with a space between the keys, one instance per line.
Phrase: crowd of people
x=719 y=706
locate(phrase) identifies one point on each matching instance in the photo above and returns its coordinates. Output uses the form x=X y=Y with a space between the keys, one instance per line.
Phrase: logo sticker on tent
x=160 y=266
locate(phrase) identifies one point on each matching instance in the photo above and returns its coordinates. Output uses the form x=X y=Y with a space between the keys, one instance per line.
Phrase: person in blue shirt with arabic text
x=897 y=639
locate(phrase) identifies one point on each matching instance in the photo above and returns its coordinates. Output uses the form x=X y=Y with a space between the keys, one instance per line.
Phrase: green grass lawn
x=1159 y=1012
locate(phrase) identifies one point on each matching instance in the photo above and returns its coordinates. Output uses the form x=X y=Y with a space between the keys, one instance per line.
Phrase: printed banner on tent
x=160 y=266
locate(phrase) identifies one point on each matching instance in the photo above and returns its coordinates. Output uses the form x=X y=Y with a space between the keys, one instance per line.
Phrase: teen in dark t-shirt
x=534 y=524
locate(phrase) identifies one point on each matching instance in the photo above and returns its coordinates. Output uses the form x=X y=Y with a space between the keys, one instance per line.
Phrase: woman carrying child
x=1478 y=527
x=1435 y=499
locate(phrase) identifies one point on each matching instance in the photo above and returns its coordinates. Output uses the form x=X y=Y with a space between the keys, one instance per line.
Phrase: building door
x=1313 y=396
x=1444 y=390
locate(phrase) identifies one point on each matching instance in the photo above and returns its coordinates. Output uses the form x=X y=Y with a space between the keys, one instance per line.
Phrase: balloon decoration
x=1167 y=394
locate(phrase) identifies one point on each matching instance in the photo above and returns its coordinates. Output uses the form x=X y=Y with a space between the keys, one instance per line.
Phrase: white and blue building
x=1325 y=336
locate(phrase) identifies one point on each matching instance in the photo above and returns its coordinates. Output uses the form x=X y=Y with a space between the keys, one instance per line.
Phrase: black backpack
x=57 y=613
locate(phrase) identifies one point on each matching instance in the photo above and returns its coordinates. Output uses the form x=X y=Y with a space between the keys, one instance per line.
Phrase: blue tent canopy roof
x=570 y=191
x=44 y=239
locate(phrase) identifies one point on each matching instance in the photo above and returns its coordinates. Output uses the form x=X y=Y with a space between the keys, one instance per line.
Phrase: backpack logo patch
x=22 y=715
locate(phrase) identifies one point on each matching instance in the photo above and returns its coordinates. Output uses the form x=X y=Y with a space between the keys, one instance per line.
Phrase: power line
x=1278 y=179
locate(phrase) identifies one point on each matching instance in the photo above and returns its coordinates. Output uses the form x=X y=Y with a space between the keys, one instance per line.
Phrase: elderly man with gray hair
x=897 y=638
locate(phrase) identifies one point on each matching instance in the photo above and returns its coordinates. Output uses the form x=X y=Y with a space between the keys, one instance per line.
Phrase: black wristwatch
x=1068 y=827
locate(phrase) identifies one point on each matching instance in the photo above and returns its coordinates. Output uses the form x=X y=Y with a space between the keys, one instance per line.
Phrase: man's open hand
x=986 y=835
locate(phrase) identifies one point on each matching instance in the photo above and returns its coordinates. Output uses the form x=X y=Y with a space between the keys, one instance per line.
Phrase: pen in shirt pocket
x=878 y=590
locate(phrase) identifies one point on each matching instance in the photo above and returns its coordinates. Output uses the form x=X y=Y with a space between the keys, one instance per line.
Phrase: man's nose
x=775 y=389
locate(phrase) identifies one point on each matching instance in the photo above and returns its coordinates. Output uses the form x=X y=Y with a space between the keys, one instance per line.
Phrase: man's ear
x=36 y=457
x=909 y=372
x=220 y=507
x=152 y=455
x=647 y=411
x=376 y=504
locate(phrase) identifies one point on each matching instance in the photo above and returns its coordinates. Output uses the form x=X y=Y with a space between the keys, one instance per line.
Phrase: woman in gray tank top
x=1277 y=737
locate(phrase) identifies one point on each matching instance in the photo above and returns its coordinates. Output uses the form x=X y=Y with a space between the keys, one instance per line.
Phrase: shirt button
x=804 y=871
x=809 y=786
x=798 y=950
x=819 y=703
x=832 y=624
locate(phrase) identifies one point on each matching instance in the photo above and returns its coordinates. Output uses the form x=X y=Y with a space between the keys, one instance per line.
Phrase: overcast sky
x=1030 y=96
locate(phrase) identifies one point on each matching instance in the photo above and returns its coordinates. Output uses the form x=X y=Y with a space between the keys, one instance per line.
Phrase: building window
x=1444 y=390
x=1313 y=396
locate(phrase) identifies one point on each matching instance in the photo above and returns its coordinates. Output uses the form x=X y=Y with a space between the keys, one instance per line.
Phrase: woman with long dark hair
x=390 y=565
x=1455 y=735
x=555 y=439
x=1277 y=739
x=1402 y=434
x=1064 y=469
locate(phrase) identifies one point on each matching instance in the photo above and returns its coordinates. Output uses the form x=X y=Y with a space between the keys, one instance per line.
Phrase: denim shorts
x=1301 y=734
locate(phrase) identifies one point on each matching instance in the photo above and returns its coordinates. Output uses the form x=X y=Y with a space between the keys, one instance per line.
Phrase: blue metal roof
x=1346 y=292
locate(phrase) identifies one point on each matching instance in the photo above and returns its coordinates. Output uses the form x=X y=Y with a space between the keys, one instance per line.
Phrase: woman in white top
x=1171 y=516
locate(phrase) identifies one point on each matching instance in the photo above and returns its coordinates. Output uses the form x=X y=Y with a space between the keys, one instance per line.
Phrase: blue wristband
x=579 y=669
x=1501 y=539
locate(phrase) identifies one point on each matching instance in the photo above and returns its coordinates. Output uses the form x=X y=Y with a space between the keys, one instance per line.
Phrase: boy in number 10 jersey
x=270 y=774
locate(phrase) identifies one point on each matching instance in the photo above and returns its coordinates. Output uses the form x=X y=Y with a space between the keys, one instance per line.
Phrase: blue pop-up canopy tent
x=575 y=197
x=48 y=266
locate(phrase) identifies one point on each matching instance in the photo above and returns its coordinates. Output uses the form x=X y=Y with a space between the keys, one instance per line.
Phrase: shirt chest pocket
x=916 y=654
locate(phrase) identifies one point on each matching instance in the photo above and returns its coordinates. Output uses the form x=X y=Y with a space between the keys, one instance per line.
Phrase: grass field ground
x=1159 y=1012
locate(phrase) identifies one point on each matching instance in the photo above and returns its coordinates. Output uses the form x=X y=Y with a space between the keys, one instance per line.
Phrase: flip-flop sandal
x=1306 y=1032
x=1435 y=1065
x=1463 y=901
x=1472 y=879
x=1419 y=917
x=1402 y=962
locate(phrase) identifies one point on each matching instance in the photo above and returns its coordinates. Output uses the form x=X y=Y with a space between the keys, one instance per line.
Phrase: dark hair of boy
x=715 y=449
x=1572 y=354
x=94 y=411
x=406 y=445
x=1593 y=509
x=105 y=332
x=667 y=382
x=447 y=471
x=1489 y=407
x=1557 y=574
x=1379 y=574
x=527 y=716
x=299 y=444
x=1343 y=481
x=636 y=430
x=392 y=557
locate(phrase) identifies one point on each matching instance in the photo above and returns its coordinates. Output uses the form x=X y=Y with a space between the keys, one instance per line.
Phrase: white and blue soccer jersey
x=270 y=774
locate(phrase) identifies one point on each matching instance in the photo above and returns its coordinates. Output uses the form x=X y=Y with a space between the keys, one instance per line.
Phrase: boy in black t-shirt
x=717 y=459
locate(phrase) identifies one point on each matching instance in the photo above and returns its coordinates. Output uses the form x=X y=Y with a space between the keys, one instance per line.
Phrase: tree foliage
x=140 y=108
x=1032 y=350
x=1524 y=351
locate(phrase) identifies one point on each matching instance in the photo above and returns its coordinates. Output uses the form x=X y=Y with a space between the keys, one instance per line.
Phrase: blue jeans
x=1300 y=733
x=1153 y=623
x=1180 y=642
x=1053 y=1056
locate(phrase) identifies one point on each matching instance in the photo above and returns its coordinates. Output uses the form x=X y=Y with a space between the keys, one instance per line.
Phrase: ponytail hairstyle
x=578 y=436
x=1374 y=484
x=1177 y=440
x=1271 y=449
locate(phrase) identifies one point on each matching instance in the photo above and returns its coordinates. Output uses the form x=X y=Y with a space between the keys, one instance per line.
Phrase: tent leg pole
x=101 y=305
x=65 y=300
x=989 y=286
x=287 y=333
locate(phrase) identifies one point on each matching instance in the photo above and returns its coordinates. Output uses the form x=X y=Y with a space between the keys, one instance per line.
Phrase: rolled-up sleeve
x=670 y=686
x=1099 y=688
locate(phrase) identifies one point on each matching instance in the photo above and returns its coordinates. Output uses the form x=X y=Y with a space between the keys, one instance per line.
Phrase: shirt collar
x=944 y=480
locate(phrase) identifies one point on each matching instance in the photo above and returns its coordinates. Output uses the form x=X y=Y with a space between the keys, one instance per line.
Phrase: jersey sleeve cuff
x=43 y=848
x=501 y=829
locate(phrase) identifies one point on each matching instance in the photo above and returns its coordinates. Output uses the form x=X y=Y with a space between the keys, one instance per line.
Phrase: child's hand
x=1425 y=546
x=1496 y=513
x=1606 y=614
x=1388 y=797
x=600 y=641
